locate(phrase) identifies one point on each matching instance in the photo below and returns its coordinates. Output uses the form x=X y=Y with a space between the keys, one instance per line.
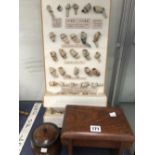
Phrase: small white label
x=95 y=128
x=43 y=150
x=112 y=114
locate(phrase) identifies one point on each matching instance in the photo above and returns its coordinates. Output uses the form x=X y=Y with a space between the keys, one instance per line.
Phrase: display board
x=75 y=36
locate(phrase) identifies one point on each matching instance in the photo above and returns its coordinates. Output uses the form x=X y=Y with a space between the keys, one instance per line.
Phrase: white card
x=43 y=150
x=95 y=128
x=112 y=114
x=28 y=124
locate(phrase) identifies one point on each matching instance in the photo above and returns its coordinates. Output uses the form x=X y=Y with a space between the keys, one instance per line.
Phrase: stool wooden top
x=78 y=119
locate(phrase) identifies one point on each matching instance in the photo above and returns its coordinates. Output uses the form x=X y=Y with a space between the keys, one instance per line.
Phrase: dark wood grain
x=116 y=132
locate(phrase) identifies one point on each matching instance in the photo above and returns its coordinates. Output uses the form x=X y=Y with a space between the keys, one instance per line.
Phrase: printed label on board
x=74 y=62
x=77 y=23
x=95 y=128
x=97 y=24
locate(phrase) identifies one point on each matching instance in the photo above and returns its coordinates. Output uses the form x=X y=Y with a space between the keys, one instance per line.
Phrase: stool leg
x=121 y=150
x=117 y=152
x=70 y=148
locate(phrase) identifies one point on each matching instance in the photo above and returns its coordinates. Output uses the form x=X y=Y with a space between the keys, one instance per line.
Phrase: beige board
x=90 y=23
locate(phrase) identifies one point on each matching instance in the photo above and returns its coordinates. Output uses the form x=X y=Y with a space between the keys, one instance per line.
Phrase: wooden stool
x=104 y=127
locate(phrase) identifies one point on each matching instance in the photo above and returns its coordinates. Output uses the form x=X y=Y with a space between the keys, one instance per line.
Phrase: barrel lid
x=45 y=135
